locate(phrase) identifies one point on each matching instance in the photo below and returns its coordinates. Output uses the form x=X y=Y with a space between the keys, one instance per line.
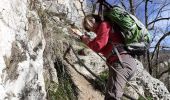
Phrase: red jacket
x=105 y=34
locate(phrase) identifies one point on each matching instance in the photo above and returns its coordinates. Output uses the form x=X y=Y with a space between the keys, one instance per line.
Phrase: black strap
x=119 y=57
x=102 y=4
x=116 y=51
x=106 y=4
x=100 y=12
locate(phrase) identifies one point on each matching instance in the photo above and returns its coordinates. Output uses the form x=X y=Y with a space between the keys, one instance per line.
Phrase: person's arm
x=101 y=39
x=85 y=39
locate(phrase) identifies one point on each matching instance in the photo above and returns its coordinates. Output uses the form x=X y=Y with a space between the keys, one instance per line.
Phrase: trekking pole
x=122 y=76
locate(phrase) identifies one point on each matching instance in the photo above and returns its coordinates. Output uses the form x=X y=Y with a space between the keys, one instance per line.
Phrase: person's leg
x=115 y=82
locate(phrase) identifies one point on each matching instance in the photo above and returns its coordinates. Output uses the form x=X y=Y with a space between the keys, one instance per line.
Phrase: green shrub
x=148 y=98
x=104 y=75
x=101 y=84
x=61 y=91
x=65 y=89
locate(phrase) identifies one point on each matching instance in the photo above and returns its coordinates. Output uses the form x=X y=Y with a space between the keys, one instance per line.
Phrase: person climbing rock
x=108 y=37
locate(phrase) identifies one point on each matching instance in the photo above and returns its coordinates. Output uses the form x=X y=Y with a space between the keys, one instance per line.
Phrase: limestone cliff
x=36 y=62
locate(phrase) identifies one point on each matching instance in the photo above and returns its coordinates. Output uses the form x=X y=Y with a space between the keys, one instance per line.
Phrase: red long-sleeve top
x=101 y=44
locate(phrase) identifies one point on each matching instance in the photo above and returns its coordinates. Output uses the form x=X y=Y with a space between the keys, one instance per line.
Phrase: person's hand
x=75 y=31
x=85 y=39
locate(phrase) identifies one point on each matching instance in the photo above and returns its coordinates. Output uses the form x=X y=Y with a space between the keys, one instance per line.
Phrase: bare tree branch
x=146 y=13
x=139 y=4
x=158 y=43
x=157 y=61
x=122 y=3
x=146 y=21
x=81 y=3
x=132 y=10
x=159 y=11
x=160 y=19
x=166 y=71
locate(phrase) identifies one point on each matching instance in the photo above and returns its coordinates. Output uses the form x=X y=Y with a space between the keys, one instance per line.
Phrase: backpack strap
x=118 y=55
x=100 y=12
x=117 y=49
x=102 y=4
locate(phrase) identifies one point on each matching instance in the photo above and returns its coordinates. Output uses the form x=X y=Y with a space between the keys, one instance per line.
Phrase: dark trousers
x=116 y=83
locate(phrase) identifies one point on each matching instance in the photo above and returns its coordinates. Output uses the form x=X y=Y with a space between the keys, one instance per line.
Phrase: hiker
x=108 y=36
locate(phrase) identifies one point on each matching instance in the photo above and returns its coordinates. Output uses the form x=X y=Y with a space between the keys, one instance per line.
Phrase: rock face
x=152 y=87
x=164 y=67
x=21 y=51
x=22 y=45
x=33 y=42
x=66 y=9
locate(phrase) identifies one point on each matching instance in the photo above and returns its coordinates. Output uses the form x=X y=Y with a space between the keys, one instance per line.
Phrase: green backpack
x=136 y=36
